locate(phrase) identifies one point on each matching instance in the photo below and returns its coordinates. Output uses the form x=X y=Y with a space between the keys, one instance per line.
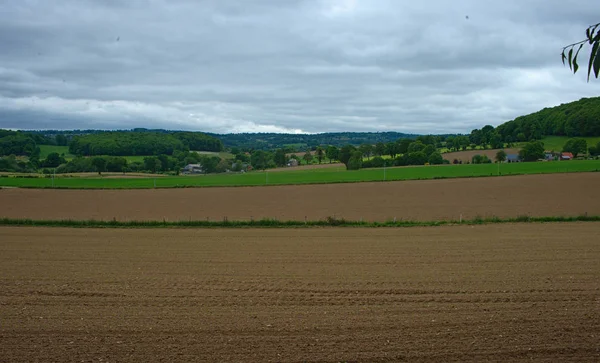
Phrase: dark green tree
x=500 y=156
x=308 y=157
x=332 y=153
x=53 y=160
x=379 y=149
x=532 y=151
x=346 y=153
x=279 y=158
x=100 y=164
x=355 y=161
x=152 y=163
x=576 y=146
x=436 y=158
x=320 y=153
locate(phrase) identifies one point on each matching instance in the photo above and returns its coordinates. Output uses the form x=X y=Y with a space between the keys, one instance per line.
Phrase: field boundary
x=273 y=223
x=272 y=184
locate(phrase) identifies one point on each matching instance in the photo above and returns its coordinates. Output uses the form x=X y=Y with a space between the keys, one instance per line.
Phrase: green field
x=222 y=155
x=327 y=175
x=45 y=150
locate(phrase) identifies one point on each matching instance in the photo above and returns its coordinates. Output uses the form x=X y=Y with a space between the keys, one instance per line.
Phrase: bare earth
x=495 y=292
x=468 y=155
x=534 y=195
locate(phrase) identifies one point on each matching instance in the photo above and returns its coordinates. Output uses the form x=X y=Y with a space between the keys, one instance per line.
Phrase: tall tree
x=379 y=149
x=575 y=146
x=332 y=153
x=279 y=157
x=307 y=157
x=500 y=156
x=320 y=154
x=346 y=153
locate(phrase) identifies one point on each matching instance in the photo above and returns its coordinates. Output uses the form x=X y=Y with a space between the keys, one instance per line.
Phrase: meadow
x=315 y=176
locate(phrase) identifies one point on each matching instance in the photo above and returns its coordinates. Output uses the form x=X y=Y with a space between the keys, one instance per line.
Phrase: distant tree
x=366 y=150
x=279 y=157
x=61 y=140
x=416 y=146
x=346 y=153
x=259 y=159
x=429 y=149
x=116 y=164
x=391 y=149
x=355 y=161
x=210 y=163
x=307 y=157
x=53 y=160
x=152 y=163
x=480 y=159
x=417 y=158
x=332 y=153
x=575 y=146
x=496 y=140
x=532 y=151
x=436 y=158
x=379 y=149
x=500 y=156
x=100 y=164
x=403 y=145
x=320 y=153
x=594 y=150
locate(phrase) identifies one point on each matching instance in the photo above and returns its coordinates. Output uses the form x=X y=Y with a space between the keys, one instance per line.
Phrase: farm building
x=292 y=162
x=566 y=156
x=192 y=169
x=513 y=158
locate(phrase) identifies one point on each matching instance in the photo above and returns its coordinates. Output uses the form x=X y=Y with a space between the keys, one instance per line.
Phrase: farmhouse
x=513 y=158
x=292 y=162
x=192 y=169
x=566 y=156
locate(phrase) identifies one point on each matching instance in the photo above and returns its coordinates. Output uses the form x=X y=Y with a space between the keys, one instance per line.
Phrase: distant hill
x=268 y=141
x=579 y=118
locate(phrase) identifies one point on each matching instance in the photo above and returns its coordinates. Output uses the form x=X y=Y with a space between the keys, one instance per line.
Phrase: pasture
x=323 y=175
x=496 y=292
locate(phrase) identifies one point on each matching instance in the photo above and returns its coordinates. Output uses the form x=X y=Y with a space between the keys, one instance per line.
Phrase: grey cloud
x=285 y=66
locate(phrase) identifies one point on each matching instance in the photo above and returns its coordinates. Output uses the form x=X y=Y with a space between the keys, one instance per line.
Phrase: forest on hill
x=574 y=119
x=303 y=142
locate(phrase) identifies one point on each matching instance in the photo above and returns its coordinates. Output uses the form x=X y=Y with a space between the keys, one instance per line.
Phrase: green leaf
x=592 y=57
x=575 y=65
x=571 y=58
x=563 y=57
x=597 y=62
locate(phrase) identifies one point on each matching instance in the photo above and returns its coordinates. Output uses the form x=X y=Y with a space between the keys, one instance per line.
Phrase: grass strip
x=273 y=223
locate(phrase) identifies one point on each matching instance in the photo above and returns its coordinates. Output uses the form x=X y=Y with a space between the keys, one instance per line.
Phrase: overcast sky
x=227 y=66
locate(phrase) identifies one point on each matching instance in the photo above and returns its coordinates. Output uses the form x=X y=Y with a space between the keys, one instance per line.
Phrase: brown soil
x=468 y=155
x=535 y=195
x=486 y=293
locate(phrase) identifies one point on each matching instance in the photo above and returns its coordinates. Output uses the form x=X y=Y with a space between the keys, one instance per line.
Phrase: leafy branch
x=593 y=39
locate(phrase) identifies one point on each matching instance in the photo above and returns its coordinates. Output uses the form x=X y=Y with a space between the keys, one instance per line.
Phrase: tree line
x=120 y=143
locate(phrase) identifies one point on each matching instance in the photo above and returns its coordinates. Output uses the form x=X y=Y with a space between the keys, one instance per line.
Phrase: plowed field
x=534 y=195
x=495 y=292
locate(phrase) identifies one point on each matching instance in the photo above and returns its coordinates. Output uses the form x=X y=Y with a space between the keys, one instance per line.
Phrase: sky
x=303 y=66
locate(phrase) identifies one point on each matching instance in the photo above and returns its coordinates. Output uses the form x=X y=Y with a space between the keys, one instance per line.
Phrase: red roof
x=567 y=154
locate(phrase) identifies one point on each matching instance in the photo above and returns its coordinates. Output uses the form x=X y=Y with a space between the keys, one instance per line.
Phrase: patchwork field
x=501 y=293
x=426 y=200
